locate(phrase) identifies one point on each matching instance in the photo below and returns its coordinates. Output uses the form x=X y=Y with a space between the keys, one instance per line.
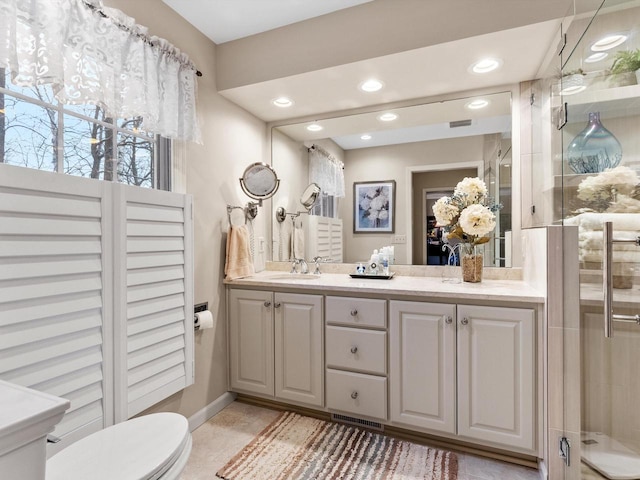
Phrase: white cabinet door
x=496 y=375
x=298 y=346
x=422 y=365
x=251 y=341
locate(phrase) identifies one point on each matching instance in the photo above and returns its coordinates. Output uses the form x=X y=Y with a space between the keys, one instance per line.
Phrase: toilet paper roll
x=204 y=320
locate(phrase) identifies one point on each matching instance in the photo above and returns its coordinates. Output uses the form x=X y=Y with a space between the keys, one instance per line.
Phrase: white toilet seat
x=152 y=447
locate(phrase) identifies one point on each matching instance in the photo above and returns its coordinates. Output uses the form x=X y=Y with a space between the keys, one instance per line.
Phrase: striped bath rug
x=296 y=447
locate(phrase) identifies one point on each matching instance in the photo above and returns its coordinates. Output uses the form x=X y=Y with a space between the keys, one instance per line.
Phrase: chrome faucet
x=304 y=267
x=317 y=261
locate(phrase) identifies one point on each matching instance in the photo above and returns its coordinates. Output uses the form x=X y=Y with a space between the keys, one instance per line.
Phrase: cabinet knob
x=354 y=312
x=464 y=321
x=354 y=349
x=277 y=305
x=448 y=320
x=354 y=395
x=267 y=304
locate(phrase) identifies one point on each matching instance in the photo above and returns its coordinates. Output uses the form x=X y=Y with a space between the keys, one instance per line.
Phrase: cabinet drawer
x=365 y=312
x=356 y=349
x=357 y=393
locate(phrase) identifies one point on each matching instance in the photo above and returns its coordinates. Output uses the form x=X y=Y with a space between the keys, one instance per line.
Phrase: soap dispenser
x=374 y=263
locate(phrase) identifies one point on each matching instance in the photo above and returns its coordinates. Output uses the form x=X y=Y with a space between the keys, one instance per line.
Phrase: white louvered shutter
x=154 y=328
x=54 y=263
x=96 y=294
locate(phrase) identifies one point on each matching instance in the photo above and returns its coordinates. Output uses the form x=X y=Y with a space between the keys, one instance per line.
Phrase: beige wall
x=391 y=163
x=232 y=139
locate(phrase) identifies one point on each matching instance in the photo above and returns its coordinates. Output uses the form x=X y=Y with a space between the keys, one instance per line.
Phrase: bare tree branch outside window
x=94 y=145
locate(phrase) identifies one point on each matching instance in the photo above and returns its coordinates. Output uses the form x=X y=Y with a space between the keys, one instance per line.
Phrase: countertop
x=511 y=291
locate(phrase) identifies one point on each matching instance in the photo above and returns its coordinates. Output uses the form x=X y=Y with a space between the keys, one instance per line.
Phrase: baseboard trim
x=204 y=414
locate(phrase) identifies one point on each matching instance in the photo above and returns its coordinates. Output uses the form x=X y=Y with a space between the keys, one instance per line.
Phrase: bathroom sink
x=291 y=276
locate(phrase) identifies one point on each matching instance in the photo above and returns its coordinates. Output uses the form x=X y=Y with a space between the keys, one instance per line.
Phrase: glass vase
x=594 y=149
x=471 y=264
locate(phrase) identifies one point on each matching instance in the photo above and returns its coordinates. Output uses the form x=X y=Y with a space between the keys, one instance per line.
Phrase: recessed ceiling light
x=596 y=57
x=282 y=102
x=476 y=104
x=486 y=65
x=371 y=85
x=314 y=127
x=388 y=117
x=366 y=137
x=609 y=42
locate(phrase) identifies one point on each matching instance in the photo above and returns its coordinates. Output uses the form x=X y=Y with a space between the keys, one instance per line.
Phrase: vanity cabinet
x=356 y=356
x=464 y=370
x=276 y=345
x=497 y=375
x=422 y=349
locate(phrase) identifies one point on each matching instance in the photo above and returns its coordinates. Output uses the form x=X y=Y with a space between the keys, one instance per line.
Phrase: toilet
x=151 y=447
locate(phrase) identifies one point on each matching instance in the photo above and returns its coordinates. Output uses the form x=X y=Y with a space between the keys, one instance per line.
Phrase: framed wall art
x=374 y=207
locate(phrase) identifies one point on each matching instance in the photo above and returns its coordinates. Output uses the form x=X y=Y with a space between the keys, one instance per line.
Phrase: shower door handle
x=607 y=278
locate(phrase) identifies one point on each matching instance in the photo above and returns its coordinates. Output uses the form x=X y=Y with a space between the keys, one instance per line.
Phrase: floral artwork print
x=374 y=206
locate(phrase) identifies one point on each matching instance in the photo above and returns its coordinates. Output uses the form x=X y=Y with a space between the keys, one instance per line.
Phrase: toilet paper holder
x=199 y=307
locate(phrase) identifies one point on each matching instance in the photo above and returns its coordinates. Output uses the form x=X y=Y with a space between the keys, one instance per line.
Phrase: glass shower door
x=601 y=199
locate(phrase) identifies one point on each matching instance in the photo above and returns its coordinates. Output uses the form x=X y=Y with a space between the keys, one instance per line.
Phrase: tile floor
x=219 y=439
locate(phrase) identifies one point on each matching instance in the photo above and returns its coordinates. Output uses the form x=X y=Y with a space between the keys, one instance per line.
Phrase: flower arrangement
x=468 y=215
x=614 y=190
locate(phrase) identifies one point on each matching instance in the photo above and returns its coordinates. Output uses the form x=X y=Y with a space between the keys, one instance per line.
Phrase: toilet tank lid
x=140 y=448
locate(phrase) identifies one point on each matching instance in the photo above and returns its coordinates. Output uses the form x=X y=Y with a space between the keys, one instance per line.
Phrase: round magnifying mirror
x=259 y=181
x=310 y=195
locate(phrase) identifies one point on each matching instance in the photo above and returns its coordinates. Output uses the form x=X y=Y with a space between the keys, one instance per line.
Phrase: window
x=326 y=206
x=36 y=131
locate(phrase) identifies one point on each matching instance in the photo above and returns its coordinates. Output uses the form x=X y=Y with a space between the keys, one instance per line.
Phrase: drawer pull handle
x=354 y=312
x=448 y=320
x=354 y=349
x=267 y=304
x=354 y=395
x=277 y=305
x=464 y=321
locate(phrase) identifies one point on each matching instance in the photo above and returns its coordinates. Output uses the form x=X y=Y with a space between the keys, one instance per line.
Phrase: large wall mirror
x=404 y=158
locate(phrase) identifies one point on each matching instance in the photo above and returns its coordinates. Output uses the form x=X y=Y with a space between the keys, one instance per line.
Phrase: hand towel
x=238 y=263
x=298 y=241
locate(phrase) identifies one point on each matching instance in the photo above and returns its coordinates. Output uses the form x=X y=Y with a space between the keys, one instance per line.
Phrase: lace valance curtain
x=92 y=54
x=327 y=171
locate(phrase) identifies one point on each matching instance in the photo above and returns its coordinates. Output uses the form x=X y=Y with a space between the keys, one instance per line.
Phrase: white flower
x=445 y=211
x=365 y=203
x=598 y=187
x=477 y=220
x=383 y=215
x=377 y=203
x=625 y=204
x=473 y=190
x=372 y=192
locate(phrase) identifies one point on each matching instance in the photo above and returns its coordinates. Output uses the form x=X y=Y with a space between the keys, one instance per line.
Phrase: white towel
x=619 y=256
x=298 y=241
x=591 y=240
x=595 y=221
x=238 y=263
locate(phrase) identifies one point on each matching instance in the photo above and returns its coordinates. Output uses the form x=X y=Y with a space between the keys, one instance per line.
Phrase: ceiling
x=414 y=73
x=226 y=20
